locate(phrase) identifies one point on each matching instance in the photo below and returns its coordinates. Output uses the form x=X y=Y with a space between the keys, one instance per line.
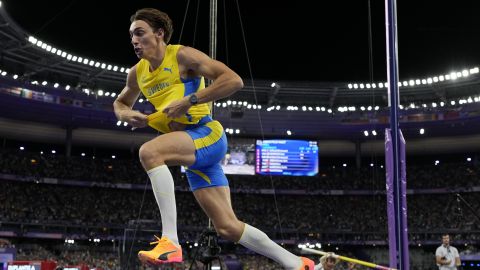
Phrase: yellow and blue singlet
x=163 y=86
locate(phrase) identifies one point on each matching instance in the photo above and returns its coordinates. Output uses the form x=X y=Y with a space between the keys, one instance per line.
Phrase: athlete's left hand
x=177 y=108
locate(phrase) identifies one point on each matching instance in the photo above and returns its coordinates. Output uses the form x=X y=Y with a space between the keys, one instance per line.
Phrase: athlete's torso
x=164 y=85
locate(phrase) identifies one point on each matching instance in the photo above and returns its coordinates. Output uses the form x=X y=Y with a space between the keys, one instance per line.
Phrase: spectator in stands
x=327 y=262
x=447 y=257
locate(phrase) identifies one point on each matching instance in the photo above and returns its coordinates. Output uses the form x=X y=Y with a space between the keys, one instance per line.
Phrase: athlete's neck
x=157 y=59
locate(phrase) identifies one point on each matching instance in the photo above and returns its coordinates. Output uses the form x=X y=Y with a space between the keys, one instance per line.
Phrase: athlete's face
x=144 y=40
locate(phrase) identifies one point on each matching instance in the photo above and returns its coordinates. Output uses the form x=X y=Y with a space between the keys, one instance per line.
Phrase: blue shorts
x=211 y=146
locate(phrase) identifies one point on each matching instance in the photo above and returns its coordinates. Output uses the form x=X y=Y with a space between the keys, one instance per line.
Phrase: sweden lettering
x=152 y=90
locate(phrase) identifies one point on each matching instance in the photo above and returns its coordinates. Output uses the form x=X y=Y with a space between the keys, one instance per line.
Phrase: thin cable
x=196 y=24
x=55 y=17
x=370 y=44
x=183 y=22
x=136 y=223
x=225 y=32
x=258 y=113
x=373 y=158
x=372 y=91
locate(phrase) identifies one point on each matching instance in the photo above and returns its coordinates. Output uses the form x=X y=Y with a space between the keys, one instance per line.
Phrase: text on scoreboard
x=286 y=157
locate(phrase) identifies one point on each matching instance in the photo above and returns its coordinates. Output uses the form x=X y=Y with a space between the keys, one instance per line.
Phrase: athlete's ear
x=159 y=32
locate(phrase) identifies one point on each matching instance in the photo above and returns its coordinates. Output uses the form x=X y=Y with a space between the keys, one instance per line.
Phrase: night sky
x=284 y=40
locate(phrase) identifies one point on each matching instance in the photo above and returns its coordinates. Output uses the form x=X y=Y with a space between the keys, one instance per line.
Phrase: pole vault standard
x=395 y=152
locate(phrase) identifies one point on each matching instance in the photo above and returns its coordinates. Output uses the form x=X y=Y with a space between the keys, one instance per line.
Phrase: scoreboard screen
x=286 y=157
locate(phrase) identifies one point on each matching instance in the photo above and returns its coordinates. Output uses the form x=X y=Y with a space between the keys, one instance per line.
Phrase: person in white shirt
x=447 y=257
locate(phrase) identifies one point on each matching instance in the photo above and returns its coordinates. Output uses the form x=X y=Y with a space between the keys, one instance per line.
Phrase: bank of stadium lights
x=425 y=81
x=120 y=123
x=235 y=103
x=75 y=58
x=366 y=133
x=421 y=131
x=232 y=131
x=310 y=245
x=70 y=241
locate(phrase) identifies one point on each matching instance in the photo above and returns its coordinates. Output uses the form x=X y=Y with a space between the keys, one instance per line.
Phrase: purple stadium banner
x=392 y=239
x=403 y=187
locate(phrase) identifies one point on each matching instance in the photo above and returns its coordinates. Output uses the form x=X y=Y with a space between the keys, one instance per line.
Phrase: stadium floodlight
x=32 y=40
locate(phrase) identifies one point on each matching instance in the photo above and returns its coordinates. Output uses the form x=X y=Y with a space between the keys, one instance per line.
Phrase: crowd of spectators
x=104 y=212
x=129 y=170
x=110 y=207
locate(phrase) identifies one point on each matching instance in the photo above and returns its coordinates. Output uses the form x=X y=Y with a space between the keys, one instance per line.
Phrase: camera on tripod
x=208 y=249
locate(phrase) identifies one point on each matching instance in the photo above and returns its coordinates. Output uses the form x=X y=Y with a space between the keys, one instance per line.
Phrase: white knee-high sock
x=256 y=240
x=164 y=191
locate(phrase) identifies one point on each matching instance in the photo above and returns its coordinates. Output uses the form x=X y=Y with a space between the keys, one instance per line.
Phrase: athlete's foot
x=165 y=251
x=307 y=264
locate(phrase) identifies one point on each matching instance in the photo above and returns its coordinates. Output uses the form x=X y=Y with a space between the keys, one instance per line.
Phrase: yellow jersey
x=164 y=85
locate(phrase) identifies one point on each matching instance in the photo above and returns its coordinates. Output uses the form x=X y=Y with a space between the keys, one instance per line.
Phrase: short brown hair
x=156 y=19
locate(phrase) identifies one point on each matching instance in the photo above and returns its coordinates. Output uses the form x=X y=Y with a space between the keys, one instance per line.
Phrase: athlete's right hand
x=136 y=119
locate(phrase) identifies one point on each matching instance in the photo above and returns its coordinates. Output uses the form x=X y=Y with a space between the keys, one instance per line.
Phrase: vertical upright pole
x=213 y=54
x=212 y=40
x=213 y=29
x=393 y=99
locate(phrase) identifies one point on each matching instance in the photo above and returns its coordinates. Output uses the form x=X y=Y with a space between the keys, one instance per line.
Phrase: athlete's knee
x=230 y=230
x=150 y=155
